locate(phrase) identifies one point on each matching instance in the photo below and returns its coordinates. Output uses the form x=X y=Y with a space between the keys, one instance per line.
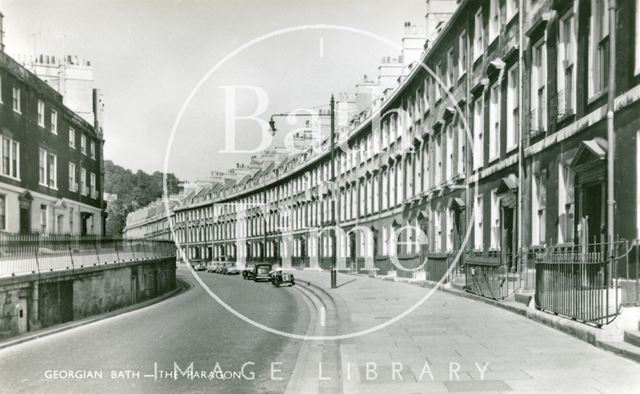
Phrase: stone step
x=632 y=337
x=623 y=349
x=524 y=297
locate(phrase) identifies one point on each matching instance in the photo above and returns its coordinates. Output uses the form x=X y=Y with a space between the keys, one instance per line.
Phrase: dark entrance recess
x=593 y=211
x=457 y=207
x=24 y=201
x=589 y=166
x=507 y=230
x=303 y=247
x=508 y=193
x=66 y=301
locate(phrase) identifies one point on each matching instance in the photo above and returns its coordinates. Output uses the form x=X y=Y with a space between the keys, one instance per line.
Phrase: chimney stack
x=412 y=44
x=438 y=13
x=98 y=112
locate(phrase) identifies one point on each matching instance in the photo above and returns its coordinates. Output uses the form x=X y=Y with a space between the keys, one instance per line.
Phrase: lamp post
x=332 y=142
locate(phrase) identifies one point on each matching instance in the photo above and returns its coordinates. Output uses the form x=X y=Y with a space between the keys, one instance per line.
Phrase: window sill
x=562 y=118
x=11 y=177
x=493 y=40
x=511 y=19
x=477 y=59
x=596 y=96
x=511 y=148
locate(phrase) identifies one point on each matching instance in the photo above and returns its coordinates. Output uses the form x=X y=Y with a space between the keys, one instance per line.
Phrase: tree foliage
x=134 y=190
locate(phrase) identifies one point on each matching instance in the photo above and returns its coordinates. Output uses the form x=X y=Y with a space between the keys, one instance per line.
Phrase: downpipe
x=611 y=202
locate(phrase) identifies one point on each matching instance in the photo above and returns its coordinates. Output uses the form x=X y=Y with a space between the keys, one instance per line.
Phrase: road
x=188 y=328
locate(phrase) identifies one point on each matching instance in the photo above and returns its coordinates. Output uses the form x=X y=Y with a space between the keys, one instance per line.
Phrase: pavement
x=137 y=351
x=449 y=343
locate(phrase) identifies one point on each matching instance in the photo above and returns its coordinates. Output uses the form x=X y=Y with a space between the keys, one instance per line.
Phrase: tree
x=133 y=190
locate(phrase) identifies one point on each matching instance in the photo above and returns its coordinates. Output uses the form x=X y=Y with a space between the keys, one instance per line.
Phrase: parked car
x=213 y=267
x=247 y=272
x=232 y=269
x=261 y=272
x=280 y=277
x=199 y=266
x=219 y=268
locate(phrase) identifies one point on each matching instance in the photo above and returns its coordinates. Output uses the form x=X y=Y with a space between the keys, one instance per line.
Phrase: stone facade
x=51 y=169
x=501 y=139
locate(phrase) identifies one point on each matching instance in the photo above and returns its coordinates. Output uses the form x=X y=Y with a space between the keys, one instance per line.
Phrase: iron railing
x=564 y=103
x=491 y=274
x=585 y=282
x=38 y=253
x=537 y=121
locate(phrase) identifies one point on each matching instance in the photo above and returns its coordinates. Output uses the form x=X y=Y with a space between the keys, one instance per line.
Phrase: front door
x=83 y=225
x=507 y=240
x=457 y=230
x=592 y=211
x=21 y=311
x=25 y=220
x=134 y=290
x=354 y=254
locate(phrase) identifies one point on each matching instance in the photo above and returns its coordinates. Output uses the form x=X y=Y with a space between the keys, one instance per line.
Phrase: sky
x=149 y=55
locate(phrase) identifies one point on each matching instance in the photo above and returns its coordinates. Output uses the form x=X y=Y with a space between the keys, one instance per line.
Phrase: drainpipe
x=520 y=202
x=611 y=202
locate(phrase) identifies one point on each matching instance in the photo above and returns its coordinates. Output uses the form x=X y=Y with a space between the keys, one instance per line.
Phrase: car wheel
x=293 y=282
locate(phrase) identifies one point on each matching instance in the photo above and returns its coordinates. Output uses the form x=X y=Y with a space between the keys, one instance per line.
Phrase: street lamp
x=332 y=223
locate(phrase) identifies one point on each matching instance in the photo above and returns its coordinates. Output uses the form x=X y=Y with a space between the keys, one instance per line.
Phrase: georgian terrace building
x=529 y=170
x=152 y=222
x=51 y=166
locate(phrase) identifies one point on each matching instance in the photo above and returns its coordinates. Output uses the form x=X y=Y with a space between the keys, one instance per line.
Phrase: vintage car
x=247 y=272
x=199 y=266
x=281 y=277
x=213 y=267
x=261 y=272
x=232 y=269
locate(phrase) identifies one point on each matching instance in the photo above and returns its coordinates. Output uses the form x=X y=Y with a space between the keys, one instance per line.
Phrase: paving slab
x=456 y=336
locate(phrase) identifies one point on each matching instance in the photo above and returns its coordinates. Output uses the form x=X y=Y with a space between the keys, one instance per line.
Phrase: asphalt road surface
x=166 y=338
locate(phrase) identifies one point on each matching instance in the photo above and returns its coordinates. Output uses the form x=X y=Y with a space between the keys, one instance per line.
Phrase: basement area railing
x=586 y=282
